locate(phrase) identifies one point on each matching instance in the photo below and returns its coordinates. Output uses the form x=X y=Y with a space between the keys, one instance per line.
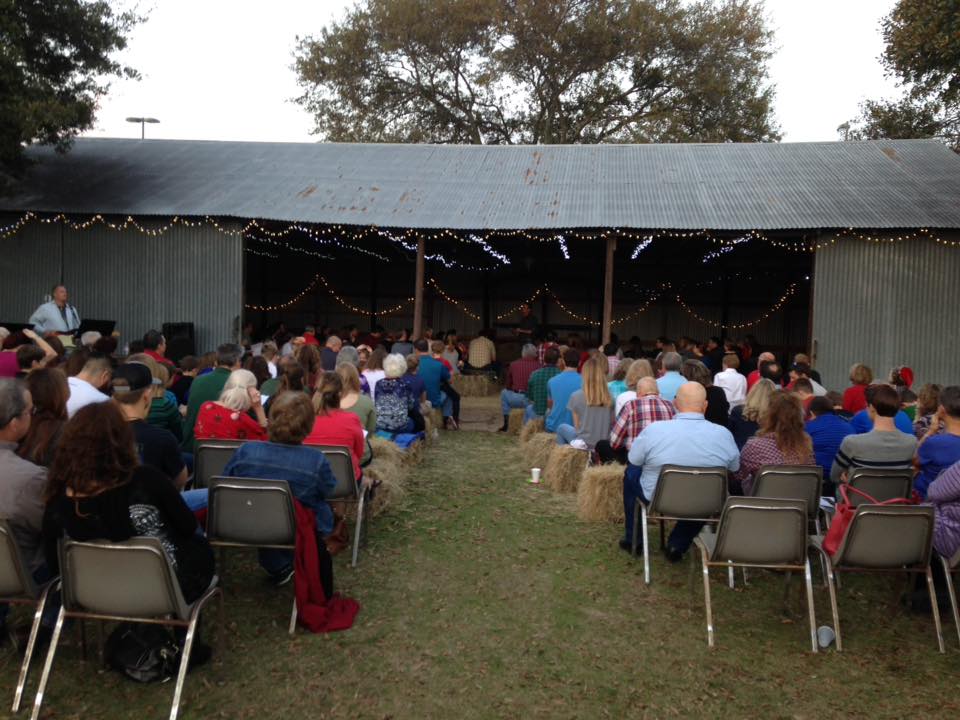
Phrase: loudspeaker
x=180 y=340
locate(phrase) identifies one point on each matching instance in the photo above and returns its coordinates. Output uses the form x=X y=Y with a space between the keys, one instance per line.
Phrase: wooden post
x=418 y=290
x=608 y=290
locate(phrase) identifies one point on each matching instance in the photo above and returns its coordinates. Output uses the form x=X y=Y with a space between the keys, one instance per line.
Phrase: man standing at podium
x=57 y=316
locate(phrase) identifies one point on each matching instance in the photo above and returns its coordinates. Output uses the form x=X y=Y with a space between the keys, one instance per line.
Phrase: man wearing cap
x=133 y=385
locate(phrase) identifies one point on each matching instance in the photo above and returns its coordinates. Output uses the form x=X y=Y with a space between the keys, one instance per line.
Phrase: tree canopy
x=55 y=59
x=541 y=71
x=923 y=51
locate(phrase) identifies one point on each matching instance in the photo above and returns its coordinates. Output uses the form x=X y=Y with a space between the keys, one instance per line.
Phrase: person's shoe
x=626 y=545
x=283 y=577
x=502 y=429
x=672 y=555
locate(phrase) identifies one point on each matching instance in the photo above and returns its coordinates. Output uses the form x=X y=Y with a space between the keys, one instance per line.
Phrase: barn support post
x=608 y=290
x=418 y=290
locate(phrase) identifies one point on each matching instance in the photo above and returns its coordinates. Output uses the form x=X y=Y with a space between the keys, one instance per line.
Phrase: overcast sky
x=221 y=69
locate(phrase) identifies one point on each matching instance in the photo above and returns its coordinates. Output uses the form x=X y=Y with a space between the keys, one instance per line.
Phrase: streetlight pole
x=143 y=121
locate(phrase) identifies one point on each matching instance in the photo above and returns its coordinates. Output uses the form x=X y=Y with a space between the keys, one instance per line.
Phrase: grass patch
x=485 y=597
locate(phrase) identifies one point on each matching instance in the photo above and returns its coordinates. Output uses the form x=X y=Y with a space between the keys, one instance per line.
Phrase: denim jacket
x=304 y=468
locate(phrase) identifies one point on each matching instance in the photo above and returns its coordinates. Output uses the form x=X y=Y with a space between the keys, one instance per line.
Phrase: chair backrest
x=129 y=579
x=796 y=482
x=211 y=458
x=250 y=511
x=762 y=531
x=341 y=463
x=690 y=492
x=881 y=484
x=887 y=536
x=15 y=580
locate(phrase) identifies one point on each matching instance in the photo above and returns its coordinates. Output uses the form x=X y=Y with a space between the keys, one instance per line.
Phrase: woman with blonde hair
x=638 y=369
x=746 y=419
x=781 y=440
x=354 y=400
x=855 y=396
x=229 y=417
x=591 y=407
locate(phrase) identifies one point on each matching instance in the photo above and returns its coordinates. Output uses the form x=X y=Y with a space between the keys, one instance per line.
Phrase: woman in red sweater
x=229 y=417
x=854 y=397
x=334 y=426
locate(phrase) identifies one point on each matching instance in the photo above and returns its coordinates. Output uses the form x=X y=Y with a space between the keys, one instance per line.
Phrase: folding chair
x=211 y=458
x=683 y=493
x=129 y=581
x=793 y=482
x=881 y=484
x=251 y=513
x=18 y=588
x=758 y=532
x=348 y=489
x=950 y=568
x=884 y=539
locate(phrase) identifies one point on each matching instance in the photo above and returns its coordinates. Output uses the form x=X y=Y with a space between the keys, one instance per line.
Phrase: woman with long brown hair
x=591 y=406
x=781 y=440
x=309 y=359
x=333 y=426
x=50 y=392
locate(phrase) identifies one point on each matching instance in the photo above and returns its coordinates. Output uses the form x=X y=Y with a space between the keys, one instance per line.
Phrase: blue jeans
x=275 y=561
x=195 y=499
x=529 y=414
x=566 y=434
x=683 y=533
x=510 y=399
x=446 y=404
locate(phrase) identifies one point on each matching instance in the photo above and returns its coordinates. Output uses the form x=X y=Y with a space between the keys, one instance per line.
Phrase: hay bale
x=474 y=385
x=536 y=453
x=436 y=417
x=530 y=429
x=600 y=495
x=515 y=421
x=564 y=468
x=385 y=450
x=392 y=477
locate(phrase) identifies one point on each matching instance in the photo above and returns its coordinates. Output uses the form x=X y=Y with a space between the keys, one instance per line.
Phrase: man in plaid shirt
x=518 y=376
x=648 y=407
x=537 y=385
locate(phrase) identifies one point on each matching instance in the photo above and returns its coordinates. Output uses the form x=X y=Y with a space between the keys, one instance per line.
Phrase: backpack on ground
x=145 y=653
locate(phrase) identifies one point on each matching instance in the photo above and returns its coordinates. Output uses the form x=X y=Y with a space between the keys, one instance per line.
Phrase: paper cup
x=825 y=636
x=535 y=475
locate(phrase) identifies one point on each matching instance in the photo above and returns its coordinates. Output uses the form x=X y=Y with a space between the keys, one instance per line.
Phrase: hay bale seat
x=474 y=385
x=515 y=421
x=565 y=468
x=600 y=495
x=536 y=453
x=530 y=429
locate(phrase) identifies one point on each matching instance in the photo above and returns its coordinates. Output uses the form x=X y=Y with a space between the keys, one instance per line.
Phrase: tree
x=923 y=51
x=55 y=57
x=540 y=71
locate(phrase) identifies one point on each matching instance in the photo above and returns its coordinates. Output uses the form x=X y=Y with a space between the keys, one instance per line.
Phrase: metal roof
x=869 y=184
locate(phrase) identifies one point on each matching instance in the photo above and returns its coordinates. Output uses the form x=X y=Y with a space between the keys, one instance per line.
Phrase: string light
x=641 y=246
x=739 y=326
x=318 y=278
x=514 y=310
x=449 y=299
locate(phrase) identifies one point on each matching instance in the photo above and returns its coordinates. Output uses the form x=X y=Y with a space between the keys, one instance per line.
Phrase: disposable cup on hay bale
x=564 y=468
x=515 y=421
x=537 y=451
x=600 y=495
x=530 y=429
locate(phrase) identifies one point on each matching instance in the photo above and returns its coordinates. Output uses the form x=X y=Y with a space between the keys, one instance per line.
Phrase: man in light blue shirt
x=58 y=315
x=689 y=439
x=671 y=380
x=559 y=389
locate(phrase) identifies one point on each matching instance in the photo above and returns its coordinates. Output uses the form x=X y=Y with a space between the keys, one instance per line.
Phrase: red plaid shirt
x=519 y=372
x=635 y=416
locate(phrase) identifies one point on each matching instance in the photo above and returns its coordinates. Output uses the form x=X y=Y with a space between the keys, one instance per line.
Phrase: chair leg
x=834 y=609
x=636 y=528
x=731 y=581
x=31 y=643
x=808 y=577
x=293 y=615
x=663 y=535
x=953 y=594
x=706 y=596
x=222 y=629
x=356 y=534
x=184 y=662
x=47 y=665
x=82 y=629
x=936 y=609
x=646 y=544
x=743 y=570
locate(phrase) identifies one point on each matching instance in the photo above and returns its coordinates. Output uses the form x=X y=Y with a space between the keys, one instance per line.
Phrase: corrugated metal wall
x=186 y=275
x=887 y=304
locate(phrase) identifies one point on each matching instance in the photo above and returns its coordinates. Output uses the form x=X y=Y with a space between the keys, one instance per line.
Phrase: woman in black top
x=99 y=491
x=718 y=408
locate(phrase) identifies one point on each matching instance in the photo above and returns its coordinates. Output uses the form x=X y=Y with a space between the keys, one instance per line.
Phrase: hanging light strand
x=739 y=326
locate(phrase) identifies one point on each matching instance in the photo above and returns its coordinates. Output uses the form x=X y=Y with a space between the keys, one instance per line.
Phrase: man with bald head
x=648 y=407
x=688 y=439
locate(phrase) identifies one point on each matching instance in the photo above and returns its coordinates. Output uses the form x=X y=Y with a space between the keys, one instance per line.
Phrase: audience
x=481 y=353
x=647 y=407
x=228 y=418
x=802 y=371
x=434 y=374
x=395 y=398
x=671 y=379
x=939 y=450
x=309 y=358
x=717 y=410
x=928 y=401
x=781 y=440
x=559 y=389
x=944 y=493
x=537 y=384
x=591 y=408
x=373 y=371
x=862 y=422
x=754 y=376
x=745 y=419
x=827 y=430
x=402 y=345
x=207 y=388
x=353 y=400
x=733 y=384
x=183 y=378
x=328 y=356
x=638 y=370
x=618 y=377
x=514 y=393
x=87 y=386
x=333 y=426
x=854 y=397
x=155 y=345
x=49 y=392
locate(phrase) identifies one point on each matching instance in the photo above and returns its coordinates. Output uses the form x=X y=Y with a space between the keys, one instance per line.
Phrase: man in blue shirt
x=689 y=439
x=861 y=422
x=434 y=373
x=559 y=389
x=671 y=380
x=827 y=430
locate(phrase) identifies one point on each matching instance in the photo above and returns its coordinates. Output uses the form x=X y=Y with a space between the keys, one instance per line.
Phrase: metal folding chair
x=758 y=532
x=793 y=482
x=880 y=484
x=884 y=539
x=950 y=568
x=348 y=490
x=251 y=513
x=211 y=458
x=683 y=493
x=129 y=581
x=18 y=588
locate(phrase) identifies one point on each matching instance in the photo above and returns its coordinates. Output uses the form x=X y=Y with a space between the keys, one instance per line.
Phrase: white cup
x=535 y=475
x=825 y=636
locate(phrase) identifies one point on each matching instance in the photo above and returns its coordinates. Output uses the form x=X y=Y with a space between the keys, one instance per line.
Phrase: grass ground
x=484 y=597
